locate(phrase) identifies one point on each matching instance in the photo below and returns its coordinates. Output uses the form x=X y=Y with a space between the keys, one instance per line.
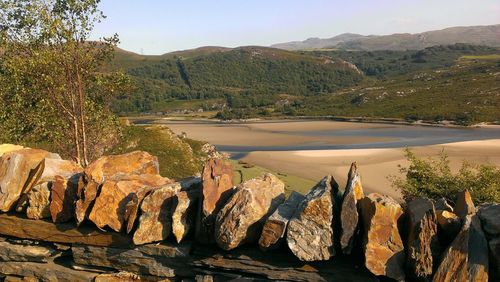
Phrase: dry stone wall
x=119 y=220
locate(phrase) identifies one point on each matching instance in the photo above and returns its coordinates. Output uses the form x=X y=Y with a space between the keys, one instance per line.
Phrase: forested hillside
x=453 y=82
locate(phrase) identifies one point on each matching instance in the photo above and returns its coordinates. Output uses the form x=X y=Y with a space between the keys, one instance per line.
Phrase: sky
x=159 y=26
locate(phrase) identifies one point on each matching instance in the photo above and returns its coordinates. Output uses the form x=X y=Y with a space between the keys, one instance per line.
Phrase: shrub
x=433 y=178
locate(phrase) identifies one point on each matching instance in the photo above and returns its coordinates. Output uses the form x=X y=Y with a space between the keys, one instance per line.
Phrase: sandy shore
x=376 y=165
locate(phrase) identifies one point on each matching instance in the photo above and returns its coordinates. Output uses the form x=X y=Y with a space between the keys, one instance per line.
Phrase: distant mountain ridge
x=480 y=35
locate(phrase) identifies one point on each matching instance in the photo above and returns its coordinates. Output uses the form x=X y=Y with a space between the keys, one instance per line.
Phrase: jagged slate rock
x=349 y=214
x=121 y=259
x=126 y=276
x=241 y=220
x=423 y=247
x=464 y=205
x=184 y=210
x=449 y=225
x=39 y=201
x=109 y=208
x=63 y=197
x=45 y=271
x=19 y=171
x=155 y=222
x=273 y=232
x=18 y=252
x=166 y=249
x=466 y=259
x=382 y=244
x=217 y=187
x=5 y=148
x=310 y=231
x=63 y=168
x=443 y=205
x=115 y=166
x=494 y=245
x=40 y=230
x=490 y=218
x=204 y=278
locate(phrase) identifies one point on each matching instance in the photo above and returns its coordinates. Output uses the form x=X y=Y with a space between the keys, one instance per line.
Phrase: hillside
x=216 y=73
x=479 y=35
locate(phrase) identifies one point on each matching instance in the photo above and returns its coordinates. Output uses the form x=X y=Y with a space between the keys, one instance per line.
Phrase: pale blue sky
x=157 y=27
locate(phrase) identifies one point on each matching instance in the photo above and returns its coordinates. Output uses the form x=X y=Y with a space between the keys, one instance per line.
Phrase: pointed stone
x=382 y=245
x=464 y=205
x=63 y=198
x=242 y=218
x=217 y=187
x=449 y=225
x=110 y=206
x=155 y=222
x=110 y=167
x=467 y=257
x=184 y=211
x=274 y=230
x=310 y=234
x=349 y=215
x=423 y=247
x=20 y=170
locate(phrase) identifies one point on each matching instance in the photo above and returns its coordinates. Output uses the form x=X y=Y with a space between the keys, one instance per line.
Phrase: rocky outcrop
x=310 y=231
x=448 y=226
x=242 y=218
x=110 y=167
x=382 y=244
x=155 y=222
x=20 y=170
x=109 y=208
x=467 y=257
x=217 y=185
x=274 y=230
x=423 y=247
x=349 y=215
x=184 y=211
x=464 y=205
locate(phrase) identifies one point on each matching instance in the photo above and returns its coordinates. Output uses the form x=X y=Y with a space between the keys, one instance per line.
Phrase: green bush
x=433 y=178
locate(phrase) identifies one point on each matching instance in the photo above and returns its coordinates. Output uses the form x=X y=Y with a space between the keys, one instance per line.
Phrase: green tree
x=51 y=78
x=433 y=178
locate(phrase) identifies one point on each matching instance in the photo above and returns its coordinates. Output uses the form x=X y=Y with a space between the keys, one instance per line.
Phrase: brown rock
x=110 y=206
x=274 y=229
x=349 y=215
x=5 y=148
x=467 y=257
x=63 y=168
x=155 y=222
x=449 y=225
x=382 y=245
x=18 y=252
x=125 y=276
x=107 y=167
x=464 y=204
x=243 y=217
x=39 y=201
x=310 y=231
x=184 y=211
x=19 y=171
x=423 y=248
x=217 y=184
x=63 y=198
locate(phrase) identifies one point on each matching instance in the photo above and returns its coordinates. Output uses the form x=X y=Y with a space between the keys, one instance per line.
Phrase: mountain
x=479 y=35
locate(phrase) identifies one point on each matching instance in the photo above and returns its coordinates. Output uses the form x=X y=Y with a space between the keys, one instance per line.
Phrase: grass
x=244 y=172
x=481 y=57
